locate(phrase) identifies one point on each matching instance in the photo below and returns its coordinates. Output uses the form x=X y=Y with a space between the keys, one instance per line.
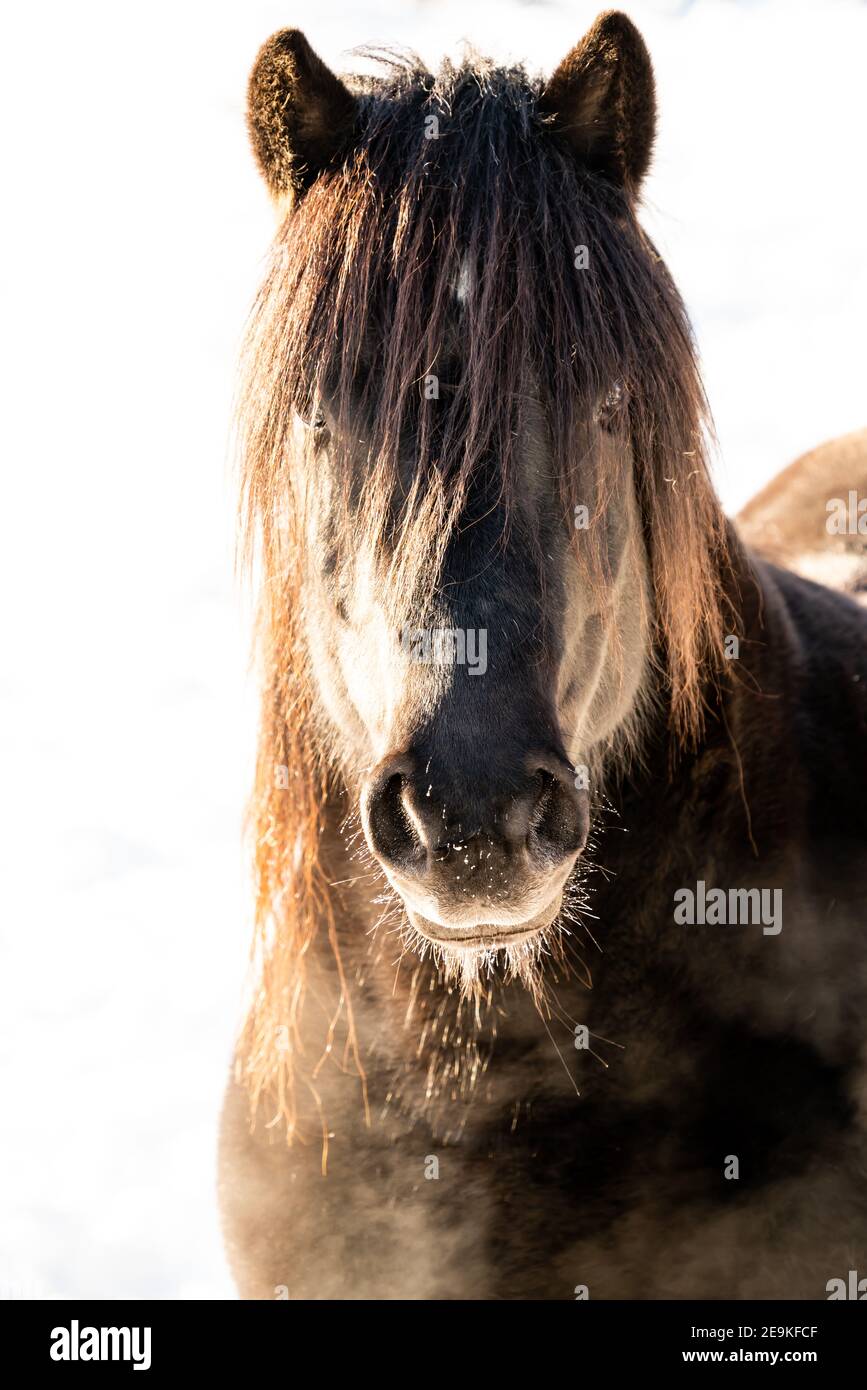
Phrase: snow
x=134 y=233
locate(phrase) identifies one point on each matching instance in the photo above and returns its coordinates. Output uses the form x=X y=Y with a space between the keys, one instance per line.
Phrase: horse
x=558 y=983
x=812 y=517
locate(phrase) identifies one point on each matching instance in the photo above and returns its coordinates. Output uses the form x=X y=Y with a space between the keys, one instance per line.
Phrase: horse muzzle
x=483 y=869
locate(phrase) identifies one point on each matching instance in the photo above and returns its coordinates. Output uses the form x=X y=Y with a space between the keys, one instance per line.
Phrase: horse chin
x=485 y=936
x=470 y=956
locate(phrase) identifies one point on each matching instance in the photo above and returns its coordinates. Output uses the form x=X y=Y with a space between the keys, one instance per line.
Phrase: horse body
x=812 y=517
x=517 y=1071
x=719 y=1040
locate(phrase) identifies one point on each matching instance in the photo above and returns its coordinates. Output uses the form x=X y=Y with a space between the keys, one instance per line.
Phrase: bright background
x=134 y=233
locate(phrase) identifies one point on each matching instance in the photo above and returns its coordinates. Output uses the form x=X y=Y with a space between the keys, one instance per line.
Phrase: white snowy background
x=134 y=229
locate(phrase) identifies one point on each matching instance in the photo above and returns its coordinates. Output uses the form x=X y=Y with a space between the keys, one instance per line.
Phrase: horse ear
x=602 y=99
x=299 y=114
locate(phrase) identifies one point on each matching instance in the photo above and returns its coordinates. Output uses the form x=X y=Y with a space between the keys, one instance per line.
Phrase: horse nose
x=536 y=822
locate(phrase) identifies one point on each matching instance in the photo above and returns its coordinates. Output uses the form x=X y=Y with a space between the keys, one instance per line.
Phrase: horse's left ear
x=300 y=115
x=602 y=99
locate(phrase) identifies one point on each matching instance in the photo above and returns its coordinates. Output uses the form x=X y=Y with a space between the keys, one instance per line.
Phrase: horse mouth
x=484 y=936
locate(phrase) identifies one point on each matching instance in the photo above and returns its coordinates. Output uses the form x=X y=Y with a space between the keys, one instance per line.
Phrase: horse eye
x=611 y=404
x=312 y=418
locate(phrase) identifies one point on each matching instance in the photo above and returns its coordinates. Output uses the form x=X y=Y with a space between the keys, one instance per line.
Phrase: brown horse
x=560 y=823
x=812 y=517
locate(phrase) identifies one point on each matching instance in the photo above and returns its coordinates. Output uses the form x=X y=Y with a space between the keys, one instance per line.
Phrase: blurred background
x=133 y=238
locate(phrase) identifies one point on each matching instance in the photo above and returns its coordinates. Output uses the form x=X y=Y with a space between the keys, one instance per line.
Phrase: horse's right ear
x=299 y=114
x=602 y=100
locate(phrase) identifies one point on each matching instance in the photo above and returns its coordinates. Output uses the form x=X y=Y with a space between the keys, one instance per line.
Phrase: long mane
x=358 y=302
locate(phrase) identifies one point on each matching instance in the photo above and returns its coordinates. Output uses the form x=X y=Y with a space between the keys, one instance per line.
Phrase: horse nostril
x=533 y=830
x=560 y=819
x=390 y=832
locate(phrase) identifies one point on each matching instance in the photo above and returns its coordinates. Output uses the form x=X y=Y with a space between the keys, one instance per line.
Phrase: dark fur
x=706 y=1041
x=300 y=115
x=602 y=98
